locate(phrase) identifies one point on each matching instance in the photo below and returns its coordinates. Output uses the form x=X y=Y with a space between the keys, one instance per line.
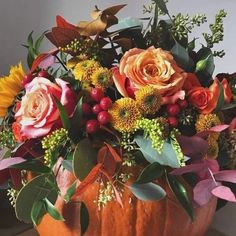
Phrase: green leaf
x=162 y=5
x=150 y=173
x=63 y=114
x=37 y=212
x=148 y=191
x=37 y=189
x=52 y=211
x=181 y=194
x=39 y=42
x=167 y=157
x=30 y=40
x=221 y=97
x=67 y=164
x=33 y=165
x=84 y=218
x=76 y=120
x=70 y=192
x=181 y=56
x=191 y=45
x=85 y=158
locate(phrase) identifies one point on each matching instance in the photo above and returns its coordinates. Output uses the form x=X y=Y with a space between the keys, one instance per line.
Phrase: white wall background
x=19 y=17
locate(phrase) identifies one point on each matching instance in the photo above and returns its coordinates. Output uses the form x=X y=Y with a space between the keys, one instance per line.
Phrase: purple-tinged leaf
x=215 y=129
x=226 y=175
x=8 y=162
x=194 y=147
x=224 y=192
x=202 y=191
x=232 y=125
x=192 y=168
x=47 y=62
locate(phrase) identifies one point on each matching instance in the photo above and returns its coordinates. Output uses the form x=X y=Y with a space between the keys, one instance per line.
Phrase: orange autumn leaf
x=90 y=178
x=113 y=152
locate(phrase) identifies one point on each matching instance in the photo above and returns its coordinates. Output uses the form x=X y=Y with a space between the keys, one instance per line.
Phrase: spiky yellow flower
x=213 y=149
x=84 y=70
x=10 y=86
x=207 y=121
x=102 y=78
x=72 y=62
x=124 y=114
x=148 y=100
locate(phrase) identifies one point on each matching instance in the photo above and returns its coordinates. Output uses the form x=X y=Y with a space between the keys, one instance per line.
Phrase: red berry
x=97 y=94
x=87 y=110
x=183 y=104
x=27 y=79
x=105 y=103
x=103 y=117
x=173 y=121
x=96 y=109
x=44 y=74
x=92 y=126
x=173 y=109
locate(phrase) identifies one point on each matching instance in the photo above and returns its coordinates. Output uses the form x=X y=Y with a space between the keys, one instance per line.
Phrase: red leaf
x=4 y=176
x=6 y=163
x=41 y=58
x=113 y=152
x=61 y=22
x=90 y=178
x=16 y=178
x=225 y=193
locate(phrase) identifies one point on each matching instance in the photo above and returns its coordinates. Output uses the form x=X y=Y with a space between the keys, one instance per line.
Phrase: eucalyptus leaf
x=181 y=56
x=70 y=192
x=84 y=218
x=63 y=114
x=150 y=173
x=37 y=212
x=228 y=106
x=148 y=191
x=67 y=164
x=181 y=194
x=167 y=157
x=220 y=101
x=85 y=157
x=37 y=189
x=52 y=211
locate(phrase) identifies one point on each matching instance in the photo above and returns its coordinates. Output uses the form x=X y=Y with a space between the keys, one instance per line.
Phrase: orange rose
x=191 y=81
x=205 y=99
x=154 y=67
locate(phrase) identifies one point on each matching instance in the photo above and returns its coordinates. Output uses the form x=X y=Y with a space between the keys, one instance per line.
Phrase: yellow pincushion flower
x=148 y=100
x=124 y=114
x=207 y=121
x=10 y=86
x=213 y=149
x=102 y=78
x=84 y=70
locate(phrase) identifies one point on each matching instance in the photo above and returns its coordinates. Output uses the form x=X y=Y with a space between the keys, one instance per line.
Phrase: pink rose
x=38 y=112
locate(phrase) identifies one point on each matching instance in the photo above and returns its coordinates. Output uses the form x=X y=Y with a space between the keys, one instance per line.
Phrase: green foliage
x=43 y=186
x=84 y=218
x=181 y=194
x=7 y=139
x=84 y=159
x=148 y=191
x=217 y=33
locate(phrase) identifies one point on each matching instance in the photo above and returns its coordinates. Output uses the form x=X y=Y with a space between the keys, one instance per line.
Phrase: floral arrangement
x=114 y=96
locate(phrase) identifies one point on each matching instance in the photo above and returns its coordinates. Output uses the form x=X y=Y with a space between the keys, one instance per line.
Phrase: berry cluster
x=173 y=111
x=99 y=110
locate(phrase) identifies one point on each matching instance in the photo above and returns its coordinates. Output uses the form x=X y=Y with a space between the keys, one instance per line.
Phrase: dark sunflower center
x=124 y=113
x=149 y=100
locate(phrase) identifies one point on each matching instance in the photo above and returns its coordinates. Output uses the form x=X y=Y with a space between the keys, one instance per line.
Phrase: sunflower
x=207 y=121
x=102 y=78
x=148 y=100
x=10 y=86
x=124 y=114
x=84 y=70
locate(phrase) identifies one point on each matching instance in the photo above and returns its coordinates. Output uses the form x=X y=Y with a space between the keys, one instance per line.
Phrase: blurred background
x=19 y=17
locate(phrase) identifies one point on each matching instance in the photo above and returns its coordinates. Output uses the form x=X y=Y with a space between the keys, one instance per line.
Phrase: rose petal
x=225 y=193
x=172 y=99
x=202 y=191
x=119 y=81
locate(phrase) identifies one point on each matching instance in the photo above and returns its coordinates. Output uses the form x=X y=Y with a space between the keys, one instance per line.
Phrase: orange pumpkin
x=136 y=218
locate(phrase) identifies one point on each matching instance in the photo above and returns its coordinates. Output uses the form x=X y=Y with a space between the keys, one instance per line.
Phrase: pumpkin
x=137 y=218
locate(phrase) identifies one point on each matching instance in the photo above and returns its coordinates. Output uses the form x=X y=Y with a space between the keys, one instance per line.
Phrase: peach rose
x=205 y=99
x=38 y=112
x=152 y=66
